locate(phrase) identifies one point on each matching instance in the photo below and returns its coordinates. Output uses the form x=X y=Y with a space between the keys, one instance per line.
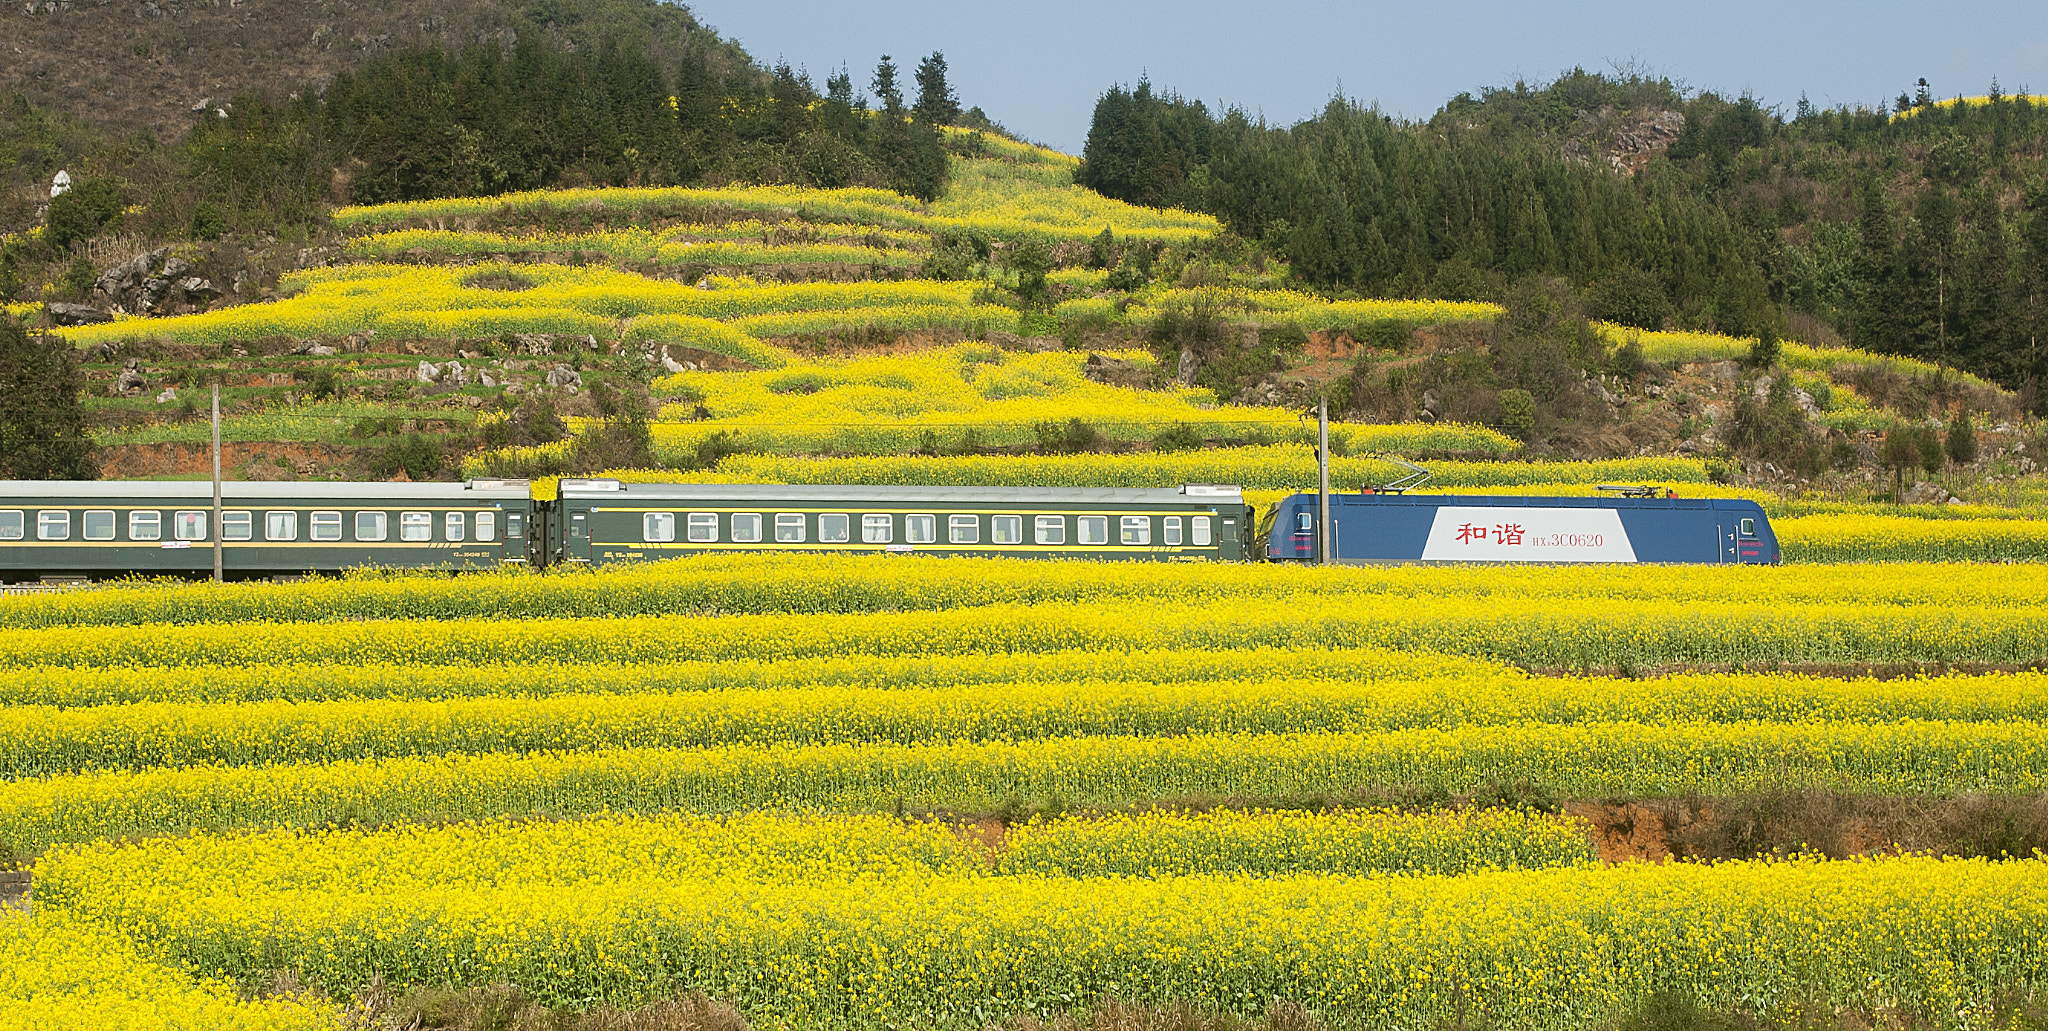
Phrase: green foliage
x=1747 y=218
x=1132 y=272
x=1631 y=297
x=43 y=427
x=1627 y=361
x=81 y=212
x=1074 y=436
x=207 y=222
x=1961 y=445
x=1102 y=249
x=1177 y=437
x=936 y=103
x=1775 y=428
x=1030 y=261
x=1929 y=446
x=1766 y=351
x=78 y=278
x=419 y=455
x=1143 y=146
x=1517 y=413
x=1901 y=452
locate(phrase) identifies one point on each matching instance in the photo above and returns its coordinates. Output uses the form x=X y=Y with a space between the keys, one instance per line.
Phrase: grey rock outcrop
x=1115 y=372
x=75 y=314
x=154 y=283
x=1924 y=493
x=130 y=382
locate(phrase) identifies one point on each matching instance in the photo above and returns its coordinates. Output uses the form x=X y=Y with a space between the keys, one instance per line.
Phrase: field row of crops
x=1593 y=760
x=832 y=923
x=769 y=585
x=776 y=780
x=62 y=971
x=1018 y=191
x=39 y=740
x=632 y=245
x=400 y=301
x=893 y=405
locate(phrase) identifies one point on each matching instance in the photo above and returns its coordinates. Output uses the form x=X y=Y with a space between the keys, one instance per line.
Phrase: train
x=1627 y=524
x=86 y=530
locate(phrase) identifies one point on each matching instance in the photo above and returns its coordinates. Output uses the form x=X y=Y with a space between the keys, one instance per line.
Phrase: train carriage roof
x=316 y=490
x=764 y=493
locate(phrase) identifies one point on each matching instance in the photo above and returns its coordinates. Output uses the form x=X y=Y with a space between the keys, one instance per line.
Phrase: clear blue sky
x=1038 y=66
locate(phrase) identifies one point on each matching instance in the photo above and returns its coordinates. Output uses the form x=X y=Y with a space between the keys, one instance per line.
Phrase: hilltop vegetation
x=1921 y=232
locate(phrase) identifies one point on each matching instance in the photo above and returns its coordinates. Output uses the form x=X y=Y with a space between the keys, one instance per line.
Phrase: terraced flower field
x=847 y=794
x=840 y=792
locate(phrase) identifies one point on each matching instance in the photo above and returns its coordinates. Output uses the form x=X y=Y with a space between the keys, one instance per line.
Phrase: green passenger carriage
x=604 y=521
x=112 y=528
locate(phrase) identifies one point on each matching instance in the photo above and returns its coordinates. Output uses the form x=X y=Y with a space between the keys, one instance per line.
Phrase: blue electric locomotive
x=1632 y=525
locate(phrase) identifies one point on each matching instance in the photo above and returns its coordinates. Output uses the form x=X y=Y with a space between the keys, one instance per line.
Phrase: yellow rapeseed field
x=858 y=923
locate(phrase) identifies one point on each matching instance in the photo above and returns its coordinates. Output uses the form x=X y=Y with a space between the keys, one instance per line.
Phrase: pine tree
x=886 y=88
x=936 y=104
x=1878 y=320
x=1988 y=310
x=2032 y=290
x=43 y=432
x=1930 y=273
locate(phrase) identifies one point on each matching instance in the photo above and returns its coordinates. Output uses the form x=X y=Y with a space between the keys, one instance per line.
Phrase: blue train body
x=1375 y=528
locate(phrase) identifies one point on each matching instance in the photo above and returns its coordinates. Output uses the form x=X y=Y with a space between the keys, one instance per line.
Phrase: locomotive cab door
x=1303 y=535
x=1749 y=547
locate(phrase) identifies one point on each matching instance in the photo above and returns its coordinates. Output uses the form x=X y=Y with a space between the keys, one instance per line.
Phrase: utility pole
x=1323 y=529
x=216 y=482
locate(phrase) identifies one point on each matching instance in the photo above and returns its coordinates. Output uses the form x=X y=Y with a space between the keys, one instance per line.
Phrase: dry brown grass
x=1830 y=823
x=505 y=1007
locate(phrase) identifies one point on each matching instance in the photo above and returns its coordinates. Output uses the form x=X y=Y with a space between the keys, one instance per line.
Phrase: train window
x=98 y=525
x=789 y=528
x=1137 y=530
x=834 y=528
x=1198 y=530
x=10 y=526
x=189 y=526
x=876 y=528
x=657 y=527
x=145 y=526
x=452 y=525
x=1050 y=529
x=280 y=526
x=1170 y=531
x=920 y=529
x=371 y=526
x=53 y=526
x=326 y=526
x=512 y=526
x=579 y=524
x=1091 y=530
x=746 y=527
x=1304 y=521
x=415 y=526
x=1006 y=529
x=487 y=525
x=1749 y=527
x=237 y=526
x=704 y=527
x=963 y=529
